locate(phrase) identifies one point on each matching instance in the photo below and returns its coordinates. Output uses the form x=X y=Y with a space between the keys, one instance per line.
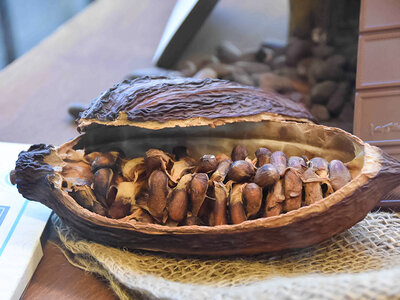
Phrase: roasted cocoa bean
x=207 y=164
x=239 y=153
x=263 y=156
x=101 y=183
x=339 y=175
x=252 y=196
x=220 y=205
x=293 y=187
x=158 y=191
x=178 y=201
x=241 y=171
x=198 y=190
x=275 y=197
x=266 y=175
x=279 y=160
x=236 y=208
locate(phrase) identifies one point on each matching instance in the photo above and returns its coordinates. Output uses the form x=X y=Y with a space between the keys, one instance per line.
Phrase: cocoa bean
x=227 y=52
x=279 y=160
x=220 y=205
x=339 y=175
x=158 y=191
x=106 y=160
x=101 y=183
x=239 y=153
x=293 y=187
x=252 y=195
x=207 y=164
x=198 y=190
x=266 y=175
x=274 y=199
x=263 y=156
x=236 y=209
x=221 y=172
x=241 y=171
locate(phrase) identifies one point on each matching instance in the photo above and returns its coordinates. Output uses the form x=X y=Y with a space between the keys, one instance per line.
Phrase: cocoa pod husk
x=181 y=167
x=252 y=196
x=266 y=176
x=236 y=208
x=101 y=183
x=198 y=190
x=220 y=205
x=279 y=160
x=263 y=156
x=158 y=191
x=339 y=175
x=239 y=153
x=221 y=171
x=241 y=171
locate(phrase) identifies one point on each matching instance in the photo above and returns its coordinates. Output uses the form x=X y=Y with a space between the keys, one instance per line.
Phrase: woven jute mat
x=361 y=263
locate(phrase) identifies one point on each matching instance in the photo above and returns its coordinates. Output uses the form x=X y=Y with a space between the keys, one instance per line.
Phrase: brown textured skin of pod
x=137 y=115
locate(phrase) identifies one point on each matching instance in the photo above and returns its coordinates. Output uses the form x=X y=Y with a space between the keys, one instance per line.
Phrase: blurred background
x=23 y=24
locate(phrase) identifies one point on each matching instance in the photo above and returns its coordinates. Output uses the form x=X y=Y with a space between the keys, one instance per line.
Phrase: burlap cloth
x=361 y=263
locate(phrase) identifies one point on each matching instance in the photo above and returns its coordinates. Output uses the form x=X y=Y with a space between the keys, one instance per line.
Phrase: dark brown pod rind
x=266 y=175
x=241 y=171
x=239 y=153
x=198 y=190
x=279 y=160
x=158 y=191
x=339 y=175
x=252 y=196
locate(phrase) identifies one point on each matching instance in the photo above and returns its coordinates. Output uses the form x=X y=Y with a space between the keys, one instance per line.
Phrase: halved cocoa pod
x=145 y=113
x=239 y=153
x=221 y=172
x=252 y=196
x=279 y=160
x=236 y=208
x=241 y=171
x=220 y=204
x=339 y=175
x=198 y=190
x=158 y=191
x=263 y=156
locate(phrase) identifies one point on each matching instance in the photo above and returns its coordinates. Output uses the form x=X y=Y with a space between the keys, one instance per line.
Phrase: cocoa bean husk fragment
x=312 y=190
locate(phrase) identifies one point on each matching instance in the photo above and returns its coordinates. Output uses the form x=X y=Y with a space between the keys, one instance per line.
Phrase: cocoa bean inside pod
x=293 y=187
x=84 y=195
x=339 y=175
x=266 y=175
x=221 y=172
x=198 y=190
x=279 y=160
x=297 y=162
x=105 y=160
x=319 y=166
x=312 y=190
x=236 y=208
x=101 y=184
x=178 y=201
x=90 y=157
x=239 y=153
x=274 y=199
x=220 y=205
x=158 y=191
x=76 y=173
x=263 y=156
x=157 y=160
x=252 y=196
x=207 y=164
x=241 y=171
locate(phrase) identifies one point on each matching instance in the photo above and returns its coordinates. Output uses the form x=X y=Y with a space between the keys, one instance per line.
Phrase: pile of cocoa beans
x=175 y=189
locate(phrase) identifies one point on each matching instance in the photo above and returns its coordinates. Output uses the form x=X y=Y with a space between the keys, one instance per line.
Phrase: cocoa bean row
x=175 y=189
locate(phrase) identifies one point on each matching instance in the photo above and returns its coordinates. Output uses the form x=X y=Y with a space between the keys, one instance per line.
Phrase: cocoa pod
x=221 y=172
x=198 y=190
x=252 y=196
x=266 y=175
x=239 y=153
x=220 y=205
x=101 y=184
x=158 y=191
x=339 y=175
x=236 y=208
x=178 y=201
x=263 y=156
x=12 y=177
x=241 y=171
x=207 y=164
x=279 y=160
x=293 y=187
x=105 y=160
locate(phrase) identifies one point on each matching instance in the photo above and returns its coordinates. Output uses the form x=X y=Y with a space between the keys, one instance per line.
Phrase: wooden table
x=84 y=57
